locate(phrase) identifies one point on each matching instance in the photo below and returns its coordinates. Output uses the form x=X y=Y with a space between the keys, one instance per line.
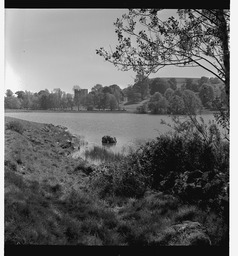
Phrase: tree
x=63 y=101
x=76 y=90
x=20 y=94
x=132 y=95
x=169 y=94
x=191 y=85
x=192 y=104
x=97 y=88
x=44 y=102
x=88 y=101
x=112 y=102
x=173 y=83
x=214 y=80
x=176 y=105
x=106 y=89
x=195 y=38
x=141 y=85
x=158 y=85
x=9 y=93
x=158 y=104
x=206 y=95
x=117 y=92
x=11 y=102
x=203 y=80
x=27 y=98
x=70 y=101
x=58 y=95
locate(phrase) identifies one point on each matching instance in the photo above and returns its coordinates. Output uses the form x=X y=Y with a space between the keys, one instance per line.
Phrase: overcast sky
x=56 y=48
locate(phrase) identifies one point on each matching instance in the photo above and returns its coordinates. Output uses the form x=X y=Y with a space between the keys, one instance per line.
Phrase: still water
x=129 y=129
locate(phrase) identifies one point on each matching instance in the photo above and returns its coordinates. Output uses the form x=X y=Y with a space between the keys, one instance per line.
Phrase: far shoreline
x=204 y=112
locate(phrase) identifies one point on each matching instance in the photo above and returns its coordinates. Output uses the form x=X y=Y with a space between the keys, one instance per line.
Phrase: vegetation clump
x=15 y=126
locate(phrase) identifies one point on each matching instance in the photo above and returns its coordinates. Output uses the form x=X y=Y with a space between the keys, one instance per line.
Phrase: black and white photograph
x=117 y=127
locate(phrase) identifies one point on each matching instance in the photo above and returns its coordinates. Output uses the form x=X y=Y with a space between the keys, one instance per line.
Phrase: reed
x=102 y=154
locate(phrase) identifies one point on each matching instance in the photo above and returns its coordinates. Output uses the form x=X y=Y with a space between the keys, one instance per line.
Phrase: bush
x=189 y=168
x=15 y=126
x=118 y=179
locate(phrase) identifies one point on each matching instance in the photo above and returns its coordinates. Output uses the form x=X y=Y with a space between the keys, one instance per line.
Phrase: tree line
x=100 y=97
x=162 y=96
x=166 y=97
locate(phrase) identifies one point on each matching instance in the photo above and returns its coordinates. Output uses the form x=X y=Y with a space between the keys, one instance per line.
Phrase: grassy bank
x=51 y=198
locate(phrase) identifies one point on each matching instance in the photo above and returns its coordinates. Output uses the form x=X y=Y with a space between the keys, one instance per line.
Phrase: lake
x=129 y=129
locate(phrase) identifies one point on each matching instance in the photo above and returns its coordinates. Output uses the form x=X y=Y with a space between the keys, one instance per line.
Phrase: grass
x=133 y=107
x=47 y=200
x=102 y=154
x=15 y=126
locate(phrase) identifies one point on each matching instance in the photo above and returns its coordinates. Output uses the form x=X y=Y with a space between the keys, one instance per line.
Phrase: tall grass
x=102 y=155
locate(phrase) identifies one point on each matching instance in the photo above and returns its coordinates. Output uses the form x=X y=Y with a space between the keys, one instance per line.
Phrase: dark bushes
x=190 y=168
x=118 y=179
x=194 y=170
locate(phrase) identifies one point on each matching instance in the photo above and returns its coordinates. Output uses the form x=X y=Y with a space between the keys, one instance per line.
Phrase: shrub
x=15 y=126
x=119 y=179
x=190 y=168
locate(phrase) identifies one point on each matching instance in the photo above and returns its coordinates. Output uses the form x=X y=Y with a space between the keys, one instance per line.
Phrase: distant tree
x=158 y=104
x=141 y=85
x=117 y=92
x=20 y=94
x=188 y=83
x=9 y=93
x=172 y=83
x=206 y=95
x=35 y=104
x=158 y=85
x=203 y=80
x=63 y=101
x=112 y=102
x=52 y=100
x=132 y=95
x=214 y=80
x=77 y=98
x=58 y=95
x=192 y=104
x=11 y=102
x=27 y=99
x=191 y=85
x=97 y=88
x=169 y=94
x=70 y=101
x=44 y=100
x=178 y=92
x=100 y=100
x=88 y=101
x=176 y=105
x=107 y=89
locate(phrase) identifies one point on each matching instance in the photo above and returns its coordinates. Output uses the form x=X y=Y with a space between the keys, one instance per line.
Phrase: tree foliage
x=158 y=85
x=158 y=104
x=192 y=104
x=206 y=94
x=192 y=37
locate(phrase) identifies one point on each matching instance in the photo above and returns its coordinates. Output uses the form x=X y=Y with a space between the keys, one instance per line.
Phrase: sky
x=56 y=48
